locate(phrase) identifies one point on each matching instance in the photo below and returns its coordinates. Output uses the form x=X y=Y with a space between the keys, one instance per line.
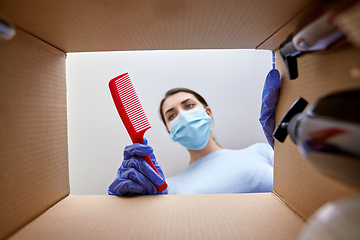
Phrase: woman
x=212 y=169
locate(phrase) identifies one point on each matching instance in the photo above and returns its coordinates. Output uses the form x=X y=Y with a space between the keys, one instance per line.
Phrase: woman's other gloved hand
x=269 y=98
x=135 y=176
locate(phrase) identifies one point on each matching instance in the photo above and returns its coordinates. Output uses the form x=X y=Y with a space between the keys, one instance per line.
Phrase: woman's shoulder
x=260 y=146
x=257 y=147
x=262 y=150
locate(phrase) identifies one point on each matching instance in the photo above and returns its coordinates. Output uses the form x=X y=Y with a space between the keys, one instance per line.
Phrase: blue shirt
x=248 y=170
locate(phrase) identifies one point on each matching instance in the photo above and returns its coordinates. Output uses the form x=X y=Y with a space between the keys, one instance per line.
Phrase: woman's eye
x=190 y=105
x=171 y=117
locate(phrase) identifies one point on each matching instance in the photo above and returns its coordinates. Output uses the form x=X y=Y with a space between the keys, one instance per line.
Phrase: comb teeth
x=128 y=97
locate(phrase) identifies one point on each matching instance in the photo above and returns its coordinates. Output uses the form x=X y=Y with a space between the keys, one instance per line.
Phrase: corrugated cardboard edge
x=33 y=125
x=277 y=195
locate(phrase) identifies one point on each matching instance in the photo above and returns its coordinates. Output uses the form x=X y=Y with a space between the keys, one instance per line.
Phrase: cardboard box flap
x=349 y=22
x=296 y=181
x=83 y=26
x=33 y=127
x=218 y=216
x=347 y=19
x=277 y=38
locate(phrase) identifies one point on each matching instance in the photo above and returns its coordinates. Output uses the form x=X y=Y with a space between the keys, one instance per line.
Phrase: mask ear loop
x=212 y=131
x=212 y=126
x=212 y=120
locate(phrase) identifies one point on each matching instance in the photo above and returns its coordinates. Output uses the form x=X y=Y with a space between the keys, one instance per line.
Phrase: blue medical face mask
x=191 y=128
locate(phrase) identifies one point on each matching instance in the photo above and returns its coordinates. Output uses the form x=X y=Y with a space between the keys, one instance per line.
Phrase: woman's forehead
x=176 y=99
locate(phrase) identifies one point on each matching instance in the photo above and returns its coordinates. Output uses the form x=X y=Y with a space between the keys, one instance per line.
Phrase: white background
x=231 y=81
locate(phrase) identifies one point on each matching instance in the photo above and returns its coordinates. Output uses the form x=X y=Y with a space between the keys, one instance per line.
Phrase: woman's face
x=181 y=101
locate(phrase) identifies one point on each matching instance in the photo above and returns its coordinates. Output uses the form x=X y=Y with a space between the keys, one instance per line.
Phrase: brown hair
x=176 y=90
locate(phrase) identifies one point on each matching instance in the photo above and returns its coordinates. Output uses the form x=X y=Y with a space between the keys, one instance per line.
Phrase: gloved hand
x=269 y=98
x=135 y=176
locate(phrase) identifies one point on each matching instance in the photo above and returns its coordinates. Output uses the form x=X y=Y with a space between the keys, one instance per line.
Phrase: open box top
x=34 y=188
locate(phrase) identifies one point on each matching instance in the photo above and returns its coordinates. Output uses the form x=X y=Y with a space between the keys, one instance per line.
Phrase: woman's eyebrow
x=169 y=110
x=183 y=102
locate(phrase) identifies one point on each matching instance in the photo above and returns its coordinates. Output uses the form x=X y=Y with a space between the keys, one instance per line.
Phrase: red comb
x=132 y=114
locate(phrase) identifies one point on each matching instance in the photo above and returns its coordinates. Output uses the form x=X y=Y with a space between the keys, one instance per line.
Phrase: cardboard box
x=35 y=201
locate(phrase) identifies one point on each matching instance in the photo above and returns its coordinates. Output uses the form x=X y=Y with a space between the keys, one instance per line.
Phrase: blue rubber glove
x=269 y=98
x=135 y=176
